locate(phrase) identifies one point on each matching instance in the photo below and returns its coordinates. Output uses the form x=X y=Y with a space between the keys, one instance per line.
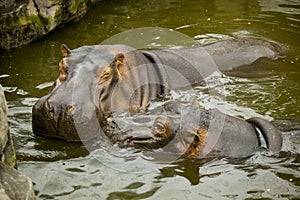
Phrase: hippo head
x=179 y=129
x=92 y=81
x=151 y=135
x=69 y=102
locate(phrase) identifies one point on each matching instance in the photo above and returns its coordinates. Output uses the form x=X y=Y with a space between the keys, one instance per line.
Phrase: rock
x=7 y=152
x=19 y=24
x=23 y=21
x=14 y=185
x=3 y=195
x=56 y=13
x=3 y=121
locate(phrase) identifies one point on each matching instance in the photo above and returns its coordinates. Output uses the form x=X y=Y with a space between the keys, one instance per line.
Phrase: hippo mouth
x=146 y=141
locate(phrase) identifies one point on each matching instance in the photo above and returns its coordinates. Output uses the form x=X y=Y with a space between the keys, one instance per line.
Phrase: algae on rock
x=23 y=21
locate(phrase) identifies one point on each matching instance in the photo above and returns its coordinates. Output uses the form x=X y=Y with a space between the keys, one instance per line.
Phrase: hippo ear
x=65 y=51
x=119 y=58
x=118 y=62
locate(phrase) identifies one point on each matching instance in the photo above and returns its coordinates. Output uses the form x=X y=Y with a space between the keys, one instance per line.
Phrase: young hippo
x=192 y=130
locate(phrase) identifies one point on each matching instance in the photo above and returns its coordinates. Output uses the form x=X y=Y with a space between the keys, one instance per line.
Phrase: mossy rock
x=79 y=7
x=28 y=20
x=21 y=26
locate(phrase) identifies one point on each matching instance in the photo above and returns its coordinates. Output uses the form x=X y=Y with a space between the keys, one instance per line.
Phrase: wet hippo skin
x=95 y=81
x=195 y=131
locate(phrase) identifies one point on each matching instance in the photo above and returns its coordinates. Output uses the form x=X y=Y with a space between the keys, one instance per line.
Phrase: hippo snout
x=49 y=120
x=65 y=121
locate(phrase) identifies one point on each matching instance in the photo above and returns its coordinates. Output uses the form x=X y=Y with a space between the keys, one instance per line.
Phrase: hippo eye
x=105 y=76
x=159 y=129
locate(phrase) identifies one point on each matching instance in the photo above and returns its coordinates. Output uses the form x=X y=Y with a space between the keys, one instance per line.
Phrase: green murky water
x=62 y=170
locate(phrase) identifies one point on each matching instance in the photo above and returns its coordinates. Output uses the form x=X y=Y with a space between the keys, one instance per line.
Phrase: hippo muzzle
x=61 y=118
x=47 y=122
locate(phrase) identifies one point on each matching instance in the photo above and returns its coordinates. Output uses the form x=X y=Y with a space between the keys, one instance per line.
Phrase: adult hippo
x=95 y=81
x=193 y=130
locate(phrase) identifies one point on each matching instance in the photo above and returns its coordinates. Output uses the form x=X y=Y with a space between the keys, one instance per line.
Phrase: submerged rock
x=23 y=21
x=13 y=184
